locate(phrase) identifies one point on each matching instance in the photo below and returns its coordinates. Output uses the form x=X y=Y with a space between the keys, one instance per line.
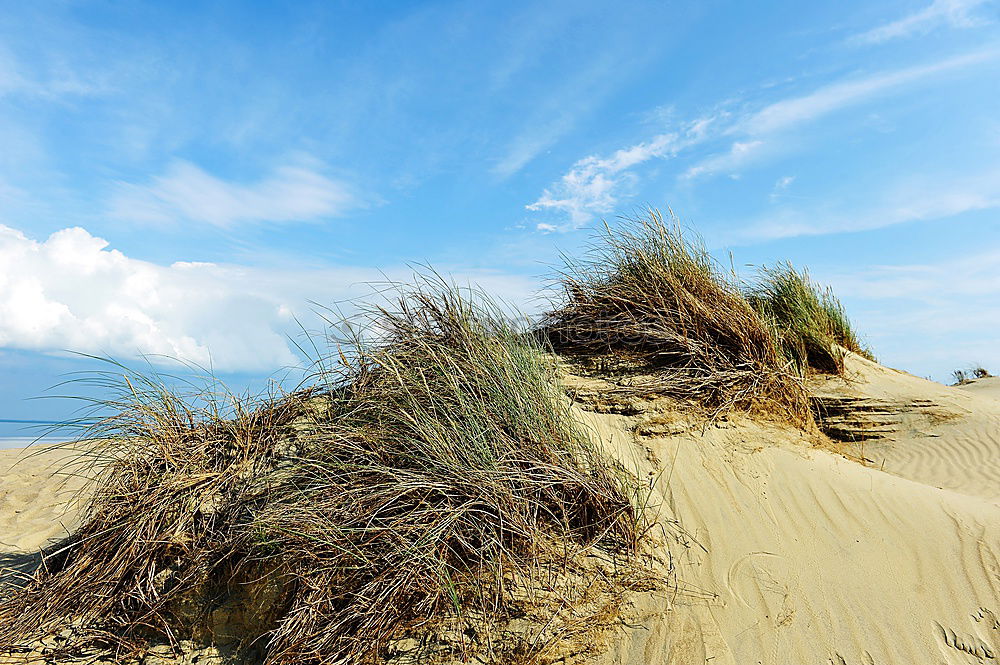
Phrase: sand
x=790 y=554
x=785 y=552
x=988 y=387
x=942 y=436
x=36 y=506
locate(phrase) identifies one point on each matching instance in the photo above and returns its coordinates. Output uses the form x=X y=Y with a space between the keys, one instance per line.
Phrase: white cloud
x=974 y=275
x=555 y=115
x=908 y=200
x=781 y=185
x=595 y=185
x=739 y=153
x=928 y=318
x=292 y=193
x=72 y=292
x=591 y=187
x=784 y=183
x=787 y=113
x=51 y=81
x=952 y=13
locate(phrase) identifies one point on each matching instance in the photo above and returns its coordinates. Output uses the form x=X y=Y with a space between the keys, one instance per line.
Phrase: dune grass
x=421 y=483
x=808 y=321
x=971 y=373
x=656 y=302
x=430 y=477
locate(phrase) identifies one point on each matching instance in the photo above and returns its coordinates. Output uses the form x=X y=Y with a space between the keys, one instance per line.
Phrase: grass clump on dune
x=422 y=485
x=657 y=304
x=809 y=321
x=971 y=373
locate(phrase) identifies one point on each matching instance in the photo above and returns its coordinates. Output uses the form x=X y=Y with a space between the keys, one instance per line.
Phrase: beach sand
x=988 y=387
x=36 y=506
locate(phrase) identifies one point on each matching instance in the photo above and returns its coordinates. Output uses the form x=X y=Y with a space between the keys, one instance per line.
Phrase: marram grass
x=809 y=322
x=421 y=485
x=655 y=300
x=649 y=301
x=431 y=476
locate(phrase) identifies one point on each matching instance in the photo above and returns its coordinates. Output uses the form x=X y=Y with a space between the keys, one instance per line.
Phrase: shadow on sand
x=17 y=568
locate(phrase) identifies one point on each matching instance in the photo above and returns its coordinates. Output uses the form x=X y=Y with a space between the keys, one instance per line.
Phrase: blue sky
x=184 y=178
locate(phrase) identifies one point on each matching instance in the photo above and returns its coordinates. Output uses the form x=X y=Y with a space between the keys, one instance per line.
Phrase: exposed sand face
x=796 y=555
x=941 y=436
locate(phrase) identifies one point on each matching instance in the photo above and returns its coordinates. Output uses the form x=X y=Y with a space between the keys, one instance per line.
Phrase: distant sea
x=20 y=433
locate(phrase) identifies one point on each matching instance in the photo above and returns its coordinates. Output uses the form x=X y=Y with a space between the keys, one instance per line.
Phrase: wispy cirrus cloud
x=557 y=114
x=781 y=186
x=788 y=113
x=297 y=192
x=940 y=13
x=974 y=275
x=931 y=317
x=739 y=153
x=907 y=200
x=49 y=80
x=594 y=185
x=757 y=129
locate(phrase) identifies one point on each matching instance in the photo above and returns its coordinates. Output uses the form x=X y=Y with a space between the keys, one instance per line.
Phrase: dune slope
x=941 y=436
x=985 y=387
x=34 y=504
x=790 y=554
x=35 y=509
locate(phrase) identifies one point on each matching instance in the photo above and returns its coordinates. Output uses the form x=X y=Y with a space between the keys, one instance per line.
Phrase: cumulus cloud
x=72 y=292
x=292 y=193
x=951 y=13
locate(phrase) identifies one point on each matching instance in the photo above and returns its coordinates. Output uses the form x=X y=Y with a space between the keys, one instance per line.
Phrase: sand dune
x=784 y=552
x=791 y=554
x=987 y=387
x=942 y=436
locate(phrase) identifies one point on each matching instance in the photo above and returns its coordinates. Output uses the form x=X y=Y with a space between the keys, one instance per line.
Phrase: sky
x=189 y=180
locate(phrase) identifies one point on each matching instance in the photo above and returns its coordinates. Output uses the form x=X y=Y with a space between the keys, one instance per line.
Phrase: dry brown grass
x=655 y=303
x=416 y=491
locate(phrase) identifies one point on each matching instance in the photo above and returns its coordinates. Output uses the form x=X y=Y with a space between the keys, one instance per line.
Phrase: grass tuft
x=809 y=321
x=656 y=304
x=969 y=374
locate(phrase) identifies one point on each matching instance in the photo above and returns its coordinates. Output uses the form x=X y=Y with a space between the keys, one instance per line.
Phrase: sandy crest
x=785 y=553
x=942 y=436
x=987 y=387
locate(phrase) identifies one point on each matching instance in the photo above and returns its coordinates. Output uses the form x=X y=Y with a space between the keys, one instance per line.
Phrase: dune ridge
x=710 y=470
